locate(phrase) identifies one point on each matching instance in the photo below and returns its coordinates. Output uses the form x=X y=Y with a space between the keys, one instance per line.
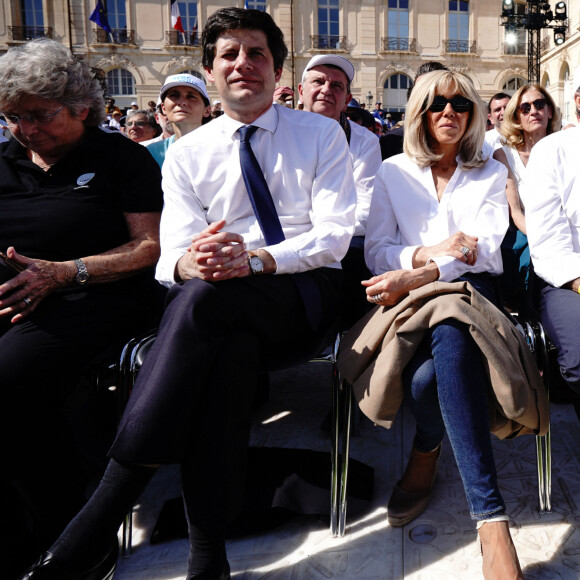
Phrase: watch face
x=256 y=265
x=82 y=277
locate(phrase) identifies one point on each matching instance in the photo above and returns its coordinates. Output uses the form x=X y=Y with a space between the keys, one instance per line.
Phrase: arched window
x=458 y=26
x=398 y=25
x=513 y=84
x=120 y=82
x=395 y=93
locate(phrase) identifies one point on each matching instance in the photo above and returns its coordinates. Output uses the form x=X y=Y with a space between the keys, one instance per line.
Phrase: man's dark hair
x=238 y=18
x=496 y=97
x=425 y=68
x=367 y=119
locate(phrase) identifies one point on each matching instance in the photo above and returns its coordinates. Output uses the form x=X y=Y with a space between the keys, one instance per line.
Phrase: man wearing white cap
x=325 y=89
x=185 y=102
x=551 y=195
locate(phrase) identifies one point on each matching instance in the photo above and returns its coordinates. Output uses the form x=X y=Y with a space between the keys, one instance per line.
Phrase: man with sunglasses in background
x=551 y=195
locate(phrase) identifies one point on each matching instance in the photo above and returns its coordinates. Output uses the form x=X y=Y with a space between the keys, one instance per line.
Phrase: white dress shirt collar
x=267 y=121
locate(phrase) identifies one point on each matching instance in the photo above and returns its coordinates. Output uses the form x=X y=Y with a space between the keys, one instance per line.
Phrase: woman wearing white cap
x=185 y=102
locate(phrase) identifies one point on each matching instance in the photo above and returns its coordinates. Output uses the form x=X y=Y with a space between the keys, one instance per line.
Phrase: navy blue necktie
x=267 y=216
x=258 y=190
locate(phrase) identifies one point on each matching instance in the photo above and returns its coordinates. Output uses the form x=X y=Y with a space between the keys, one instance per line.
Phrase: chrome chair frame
x=131 y=360
x=541 y=348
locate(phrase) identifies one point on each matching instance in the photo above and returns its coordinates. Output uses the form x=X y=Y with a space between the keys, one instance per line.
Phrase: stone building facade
x=385 y=39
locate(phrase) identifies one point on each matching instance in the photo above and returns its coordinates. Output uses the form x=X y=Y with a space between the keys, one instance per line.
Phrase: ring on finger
x=377 y=297
x=27 y=300
x=464 y=250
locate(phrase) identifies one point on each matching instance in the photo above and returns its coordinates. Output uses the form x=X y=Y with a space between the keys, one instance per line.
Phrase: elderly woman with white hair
x=439 y=213
x=79 y=220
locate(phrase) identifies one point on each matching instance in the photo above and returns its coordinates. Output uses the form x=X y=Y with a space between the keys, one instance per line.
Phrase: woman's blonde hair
x=417 y=141
x=511 y=128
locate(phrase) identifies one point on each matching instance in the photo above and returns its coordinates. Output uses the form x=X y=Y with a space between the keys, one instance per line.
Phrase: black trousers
x=193 y=399
x=41 y=360
x=559 y=311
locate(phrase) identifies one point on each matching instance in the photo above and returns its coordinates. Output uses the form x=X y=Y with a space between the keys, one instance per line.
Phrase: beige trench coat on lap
x=377 y=348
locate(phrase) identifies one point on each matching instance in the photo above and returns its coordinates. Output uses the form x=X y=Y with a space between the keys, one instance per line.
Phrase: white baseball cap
x=184 y=80
x=334 y=59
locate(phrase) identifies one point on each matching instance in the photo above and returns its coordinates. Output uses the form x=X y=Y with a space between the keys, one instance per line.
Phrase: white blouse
x=515 y=162
x=406 y=214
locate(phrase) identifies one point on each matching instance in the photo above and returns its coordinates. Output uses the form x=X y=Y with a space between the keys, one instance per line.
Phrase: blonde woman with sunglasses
x=438 y=214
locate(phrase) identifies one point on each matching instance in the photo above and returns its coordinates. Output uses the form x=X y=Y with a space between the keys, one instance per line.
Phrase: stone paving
x=439 y=545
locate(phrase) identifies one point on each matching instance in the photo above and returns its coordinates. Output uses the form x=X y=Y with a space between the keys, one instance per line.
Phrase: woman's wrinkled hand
x=21 y=295
x=391 y=287
x=459 y=246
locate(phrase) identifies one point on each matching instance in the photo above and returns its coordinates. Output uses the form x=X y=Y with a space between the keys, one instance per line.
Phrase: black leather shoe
x=50 y=568
x=225 y=575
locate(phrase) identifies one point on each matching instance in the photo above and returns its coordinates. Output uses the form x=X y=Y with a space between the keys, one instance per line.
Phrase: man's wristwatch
x=256 y=265
x=82 y=276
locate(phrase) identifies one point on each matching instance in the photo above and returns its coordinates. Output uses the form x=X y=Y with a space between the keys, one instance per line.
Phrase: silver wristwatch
x=256 y=265
x=82 y=276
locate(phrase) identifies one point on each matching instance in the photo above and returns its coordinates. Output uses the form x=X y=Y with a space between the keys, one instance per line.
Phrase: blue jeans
x=446 y=389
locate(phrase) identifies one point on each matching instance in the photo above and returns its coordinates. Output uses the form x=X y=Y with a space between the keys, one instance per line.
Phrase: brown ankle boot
x=411 y=494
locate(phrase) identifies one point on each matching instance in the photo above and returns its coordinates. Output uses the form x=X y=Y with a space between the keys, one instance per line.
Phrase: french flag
x=175 y=17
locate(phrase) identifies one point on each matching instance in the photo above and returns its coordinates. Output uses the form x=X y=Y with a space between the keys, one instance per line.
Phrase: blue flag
x=99 y=16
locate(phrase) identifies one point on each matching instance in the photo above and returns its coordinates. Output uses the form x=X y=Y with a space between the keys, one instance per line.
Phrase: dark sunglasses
x=525 y=108
x=458 y=104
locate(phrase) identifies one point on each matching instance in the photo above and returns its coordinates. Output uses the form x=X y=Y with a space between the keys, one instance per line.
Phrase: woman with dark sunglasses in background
x=529 y=116
x=438 y=213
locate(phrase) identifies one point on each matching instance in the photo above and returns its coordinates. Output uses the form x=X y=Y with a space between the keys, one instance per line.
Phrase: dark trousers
x=45 y=466
x=559 y=311
x=193 y=399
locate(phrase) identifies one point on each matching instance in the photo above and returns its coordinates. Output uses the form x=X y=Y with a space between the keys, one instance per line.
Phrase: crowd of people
x=260 y=229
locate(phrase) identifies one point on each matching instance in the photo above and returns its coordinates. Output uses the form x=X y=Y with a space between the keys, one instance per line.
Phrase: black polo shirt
x=75 y=208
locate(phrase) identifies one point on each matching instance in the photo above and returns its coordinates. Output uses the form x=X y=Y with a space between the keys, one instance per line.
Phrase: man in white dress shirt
x=325 y=89
x=237 y=305
x=495 y=110
x=551 y=196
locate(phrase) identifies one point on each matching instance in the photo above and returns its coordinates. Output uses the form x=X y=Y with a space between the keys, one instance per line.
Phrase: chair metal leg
x=544 y=442
x=127 y=535
x=538 y=343
x=341 y=420
x=335 y=445
x=347 y=414
x=543 y=452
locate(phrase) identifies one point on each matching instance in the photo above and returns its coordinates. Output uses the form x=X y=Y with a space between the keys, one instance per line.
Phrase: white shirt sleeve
x=406 y=214
x=306 y=164
x=365 y=152
x=551 y=195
